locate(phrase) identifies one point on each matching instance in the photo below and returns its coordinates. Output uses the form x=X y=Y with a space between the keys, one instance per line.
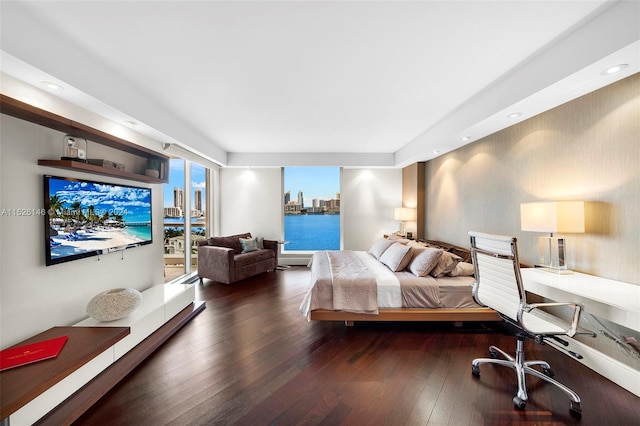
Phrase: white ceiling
x=301 y=82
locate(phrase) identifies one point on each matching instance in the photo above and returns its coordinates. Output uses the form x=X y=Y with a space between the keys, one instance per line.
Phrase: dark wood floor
x=250 y=358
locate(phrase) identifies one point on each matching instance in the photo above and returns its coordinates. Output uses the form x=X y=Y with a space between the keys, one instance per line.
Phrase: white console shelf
x=163 y=310
x=159 y=304
x=614 y=301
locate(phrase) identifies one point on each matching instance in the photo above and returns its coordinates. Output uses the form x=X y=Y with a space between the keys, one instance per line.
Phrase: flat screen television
x=87 y=218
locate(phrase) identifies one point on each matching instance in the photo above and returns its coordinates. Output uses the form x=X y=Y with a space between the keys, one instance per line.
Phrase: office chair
x=499 y=286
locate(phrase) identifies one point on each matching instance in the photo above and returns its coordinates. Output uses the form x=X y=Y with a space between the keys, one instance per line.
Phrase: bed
x=396 y=280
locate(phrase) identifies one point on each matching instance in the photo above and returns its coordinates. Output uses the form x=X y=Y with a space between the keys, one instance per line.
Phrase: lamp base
x=403 y=229
x=551 y=252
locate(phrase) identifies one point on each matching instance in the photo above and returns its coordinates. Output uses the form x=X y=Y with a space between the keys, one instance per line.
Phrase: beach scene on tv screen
x=86 y=217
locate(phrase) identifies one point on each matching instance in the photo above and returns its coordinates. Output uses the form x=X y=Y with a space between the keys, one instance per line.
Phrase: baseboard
x=294 y=260
x=614 y=370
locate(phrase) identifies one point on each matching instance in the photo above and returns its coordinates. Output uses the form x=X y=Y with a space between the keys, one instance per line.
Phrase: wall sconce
x=553 y=216
x=404 y=214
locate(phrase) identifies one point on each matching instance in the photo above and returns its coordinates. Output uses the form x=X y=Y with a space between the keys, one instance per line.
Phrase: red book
x=34 y=352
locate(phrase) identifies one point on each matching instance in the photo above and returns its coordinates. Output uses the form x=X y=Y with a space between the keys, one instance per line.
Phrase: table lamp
x=404 y=214
x=552 y=216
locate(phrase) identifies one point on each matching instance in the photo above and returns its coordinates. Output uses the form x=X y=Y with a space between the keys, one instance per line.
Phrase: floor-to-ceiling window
x=311 y=208
x=184 y=216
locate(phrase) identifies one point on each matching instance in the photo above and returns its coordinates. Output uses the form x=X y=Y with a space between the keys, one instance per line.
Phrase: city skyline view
x=322 y=183
x=176 y=180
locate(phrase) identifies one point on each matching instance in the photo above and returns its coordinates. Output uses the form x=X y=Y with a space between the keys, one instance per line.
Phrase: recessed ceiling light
x=466 y=138
x=436 y=152
x=52 y=86
x=130 y=123
x=615 y=69
x=514 y=115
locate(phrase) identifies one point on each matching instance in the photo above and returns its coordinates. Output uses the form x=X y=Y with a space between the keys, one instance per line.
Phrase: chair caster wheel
x=548 y=372
x=475 y=370
x=575 y=409
x=519 y=403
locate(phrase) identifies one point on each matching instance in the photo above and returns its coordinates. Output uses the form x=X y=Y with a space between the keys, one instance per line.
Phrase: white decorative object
x=114 y=304
x=152 y=173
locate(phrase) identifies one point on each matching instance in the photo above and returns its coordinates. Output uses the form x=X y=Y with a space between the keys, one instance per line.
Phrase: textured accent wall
x=587 y=149
x=413 y=185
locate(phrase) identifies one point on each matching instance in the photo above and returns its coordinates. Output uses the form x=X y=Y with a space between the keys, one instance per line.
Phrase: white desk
x=611 y=300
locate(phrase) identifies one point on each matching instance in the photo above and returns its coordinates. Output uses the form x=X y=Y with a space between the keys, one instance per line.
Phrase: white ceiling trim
x=570 y=68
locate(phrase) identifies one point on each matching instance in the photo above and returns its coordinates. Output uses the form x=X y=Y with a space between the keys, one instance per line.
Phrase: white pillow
x=424 y=260
x=396 y=257
x=379 y=247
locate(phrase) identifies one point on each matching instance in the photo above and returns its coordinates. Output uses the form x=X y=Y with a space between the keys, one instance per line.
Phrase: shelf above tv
x=24 y=111
x=90 y=168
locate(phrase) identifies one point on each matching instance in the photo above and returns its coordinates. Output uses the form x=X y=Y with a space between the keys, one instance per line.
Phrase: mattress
x=392 y=289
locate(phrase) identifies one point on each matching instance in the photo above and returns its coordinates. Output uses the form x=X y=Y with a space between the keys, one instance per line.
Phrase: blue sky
x=131 y=202
x=176 y=179
x=314 y=182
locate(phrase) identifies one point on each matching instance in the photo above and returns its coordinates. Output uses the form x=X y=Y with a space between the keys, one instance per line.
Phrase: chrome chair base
x=523 y=368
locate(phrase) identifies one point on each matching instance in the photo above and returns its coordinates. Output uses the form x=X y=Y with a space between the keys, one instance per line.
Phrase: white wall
x=34 y=297
x=367 y=200
x=251 y=201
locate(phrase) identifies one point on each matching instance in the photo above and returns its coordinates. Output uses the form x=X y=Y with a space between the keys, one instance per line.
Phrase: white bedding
x=393 y=289
x=389 y=292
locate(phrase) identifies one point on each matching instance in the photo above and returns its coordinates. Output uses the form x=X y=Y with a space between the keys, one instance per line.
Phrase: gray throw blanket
x=340 y=282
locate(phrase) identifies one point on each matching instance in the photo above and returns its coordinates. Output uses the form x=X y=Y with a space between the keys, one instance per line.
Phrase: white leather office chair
x=499 y=286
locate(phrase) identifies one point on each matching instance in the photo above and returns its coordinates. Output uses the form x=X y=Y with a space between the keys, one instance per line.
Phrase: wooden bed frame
x=414 y=314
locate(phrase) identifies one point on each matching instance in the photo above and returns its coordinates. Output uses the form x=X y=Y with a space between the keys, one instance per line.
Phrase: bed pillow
x=396 y=257
x=398 y=239
x=379 y=247
x=424 y=260
x=446 y=264
x=462 y=269
x=417 y=244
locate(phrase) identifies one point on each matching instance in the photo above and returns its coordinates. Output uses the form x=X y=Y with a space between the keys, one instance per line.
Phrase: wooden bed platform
x=441 y=314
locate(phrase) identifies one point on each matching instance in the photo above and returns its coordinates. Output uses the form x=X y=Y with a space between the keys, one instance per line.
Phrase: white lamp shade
x=552 y=216
x=404 y=214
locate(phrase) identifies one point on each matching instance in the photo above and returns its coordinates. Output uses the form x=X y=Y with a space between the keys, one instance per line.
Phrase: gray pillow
x=462 y=269
x=379 y=247
x=396 y=257
x=249 y=245
x=446 y=264
x=424 y=260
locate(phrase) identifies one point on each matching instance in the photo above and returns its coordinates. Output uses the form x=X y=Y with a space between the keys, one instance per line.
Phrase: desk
x=611 y=300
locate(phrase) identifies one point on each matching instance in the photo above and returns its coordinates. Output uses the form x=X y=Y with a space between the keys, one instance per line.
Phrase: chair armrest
x=215 y=263
x=272 y=245
x=577 y=308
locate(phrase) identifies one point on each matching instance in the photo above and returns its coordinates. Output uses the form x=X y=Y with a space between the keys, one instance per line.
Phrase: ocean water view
x=142 y=232
x=312 y=232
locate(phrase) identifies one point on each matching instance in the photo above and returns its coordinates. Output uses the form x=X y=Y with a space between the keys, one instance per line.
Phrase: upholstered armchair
x=236 y=257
